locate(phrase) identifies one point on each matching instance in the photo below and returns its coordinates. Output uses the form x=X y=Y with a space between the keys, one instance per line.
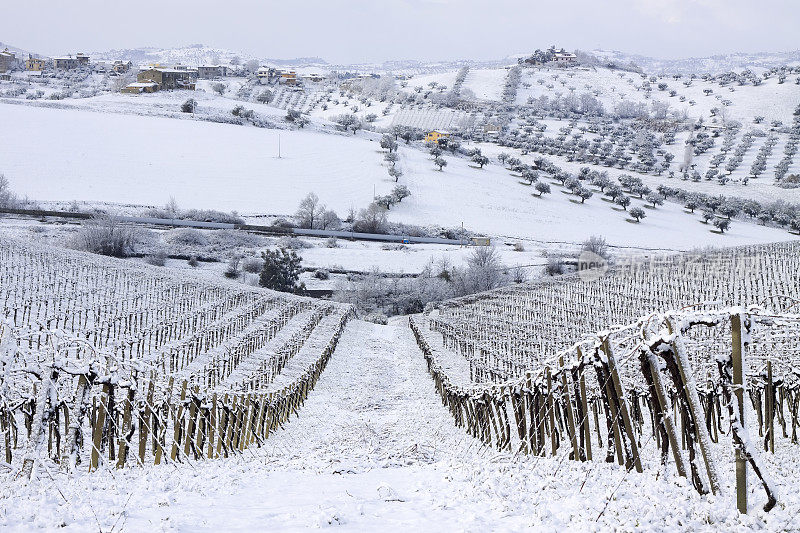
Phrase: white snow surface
x=90 y=155
x=374 y=450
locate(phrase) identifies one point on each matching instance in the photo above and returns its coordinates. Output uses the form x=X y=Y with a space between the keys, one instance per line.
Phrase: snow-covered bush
x=105 y=235
x=157 y=258
x=377 y=318
x=253 y=265
x=186 y=237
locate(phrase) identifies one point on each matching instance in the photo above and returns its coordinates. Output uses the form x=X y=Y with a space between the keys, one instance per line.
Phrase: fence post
x=662 y=405
x=738 y=389
x=688 y=383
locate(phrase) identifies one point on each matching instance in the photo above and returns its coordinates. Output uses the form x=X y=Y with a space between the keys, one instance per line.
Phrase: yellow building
x=436 y=136
x=288 y=77
x=34 y=64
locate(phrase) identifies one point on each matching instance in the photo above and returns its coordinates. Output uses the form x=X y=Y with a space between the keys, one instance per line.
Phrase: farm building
x=69 y=62
x=140 y=87
x=288 y=77
x=209 y=72
x=563 y=57
x=437 y=136
x=7 y=60
x=34 y=64
x=267 y=74
x=65 y=63
x=118 y=66
x=313 y=77
x=169 y=78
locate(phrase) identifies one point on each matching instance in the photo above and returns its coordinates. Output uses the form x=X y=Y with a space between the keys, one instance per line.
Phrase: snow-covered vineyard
x=691 y=359
x=110 y=366
x=499 y=287
x=103 y=363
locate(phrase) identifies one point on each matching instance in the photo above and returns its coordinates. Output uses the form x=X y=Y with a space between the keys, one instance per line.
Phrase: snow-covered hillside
x=147 y=160
x=711 y=64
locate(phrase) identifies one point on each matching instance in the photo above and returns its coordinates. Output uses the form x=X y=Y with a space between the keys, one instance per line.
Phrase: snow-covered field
x=146 y=160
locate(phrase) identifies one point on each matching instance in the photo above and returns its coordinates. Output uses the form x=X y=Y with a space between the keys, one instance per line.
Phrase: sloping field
x=145 y=160
x=68 y=154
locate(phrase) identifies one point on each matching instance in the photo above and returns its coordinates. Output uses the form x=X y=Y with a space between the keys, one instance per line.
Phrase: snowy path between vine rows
x=372 y=450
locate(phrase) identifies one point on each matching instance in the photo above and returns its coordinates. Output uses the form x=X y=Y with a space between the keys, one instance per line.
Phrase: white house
x=564 y=57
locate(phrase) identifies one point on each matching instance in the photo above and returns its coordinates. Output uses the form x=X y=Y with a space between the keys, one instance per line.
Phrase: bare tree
x=309 y=212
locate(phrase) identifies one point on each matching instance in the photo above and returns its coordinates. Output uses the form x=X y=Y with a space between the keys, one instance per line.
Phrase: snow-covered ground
x=374 y=449
x=146 y=160
x=486 y=84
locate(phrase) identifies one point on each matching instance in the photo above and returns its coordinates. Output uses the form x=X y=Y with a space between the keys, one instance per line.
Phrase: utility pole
x=279 y=146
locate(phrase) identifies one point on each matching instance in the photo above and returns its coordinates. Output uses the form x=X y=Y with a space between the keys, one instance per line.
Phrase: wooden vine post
x=688 y=383
x=738 y=390
x=623 y=406
x=97 y=434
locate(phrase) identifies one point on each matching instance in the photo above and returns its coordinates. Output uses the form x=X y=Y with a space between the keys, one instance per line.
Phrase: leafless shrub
x=232 y=270
x=597 y=245
x=555 y=266
x=293 y=243
x=158 y=258
x=253 y=265
x=105 y=235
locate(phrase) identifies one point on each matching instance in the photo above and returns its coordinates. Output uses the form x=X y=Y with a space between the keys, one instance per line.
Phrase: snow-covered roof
x=170 y=70
x=143 y=84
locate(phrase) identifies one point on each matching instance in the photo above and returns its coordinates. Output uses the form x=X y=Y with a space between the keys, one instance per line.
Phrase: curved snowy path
x=374 y=450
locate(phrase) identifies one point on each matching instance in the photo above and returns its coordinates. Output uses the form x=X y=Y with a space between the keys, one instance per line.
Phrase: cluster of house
x=156 y=77
x=152 y=77
x=8 y=61
x=286 y=77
